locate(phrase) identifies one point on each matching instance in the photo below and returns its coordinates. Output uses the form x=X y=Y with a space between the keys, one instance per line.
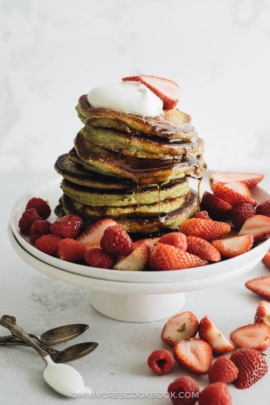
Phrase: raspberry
x=97 y=257
x=241 y=213
x=184 y=391
x=48 y=244
x=160 y=361
x=28 y=217
x=214 y=394
x=202 y=214
x=176 y=239
x=223 y=370
x=42 y=207
x=71 y=250
x=68 y=226
x=39 y=228
x=116 y=241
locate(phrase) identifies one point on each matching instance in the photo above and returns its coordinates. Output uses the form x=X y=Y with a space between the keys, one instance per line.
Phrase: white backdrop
x=52 y=51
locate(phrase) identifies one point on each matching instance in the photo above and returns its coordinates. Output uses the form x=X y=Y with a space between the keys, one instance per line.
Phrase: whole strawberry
x=215 y=394
x=161 y=361
x=223 y=370
x=28 y=217
x=184 y=391
x=116 y=241
x=240 y=213
x=41 y=206
x=264 y=208
x=68 y=226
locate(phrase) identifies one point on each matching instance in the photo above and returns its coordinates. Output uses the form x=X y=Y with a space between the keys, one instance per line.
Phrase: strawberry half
x=217 y=209
x=222 y=370
x=202 y=248
x=250 y=179
x=92 y=235
x=234 y=246
x=209 y=332
x=165 y=89
x=260 y=286
x=195 y=355
x=266 y=260
x=231 y=194
x=135 y=261
x=258 y=226
x=253 y=336
x=204 y=228
x=180 y=327
x=176 y=239
x=262 y=314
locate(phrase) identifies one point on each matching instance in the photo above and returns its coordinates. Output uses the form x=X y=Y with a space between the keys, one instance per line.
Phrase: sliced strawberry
x=180 y=327
x=149 y=242
x=250 y=179
x=240 y=213
x=202 y=248
x=215 y=394
x=160 y=361
x=92 y=235
x=262 y=314
x=260 y=286
x=253 y=336
x=264 y=208
x=195 y=355
x=234 y=246
x=184 y=391
x=231 y=196
x=223 y=370
x=251 y=366
x=167 y=257
x=165 y=89
x=217 y=209
x=209 y=332
x=176 y=239
x=240 y=188
x=266 y=260
x=204 y=228
x=135 y=261
x=258 y=226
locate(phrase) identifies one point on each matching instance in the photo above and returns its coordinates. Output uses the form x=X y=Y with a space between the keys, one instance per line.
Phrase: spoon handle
x=9 y=322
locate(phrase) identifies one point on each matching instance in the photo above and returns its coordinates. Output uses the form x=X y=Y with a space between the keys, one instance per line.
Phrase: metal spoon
x=56 y=335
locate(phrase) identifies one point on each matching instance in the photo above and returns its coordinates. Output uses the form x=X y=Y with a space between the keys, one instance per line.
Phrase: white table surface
x=118 y=366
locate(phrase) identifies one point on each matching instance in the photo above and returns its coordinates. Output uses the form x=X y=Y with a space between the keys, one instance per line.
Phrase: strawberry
x=209 y=332
x=262 y=314
x=239 y=187
x=184 y=391
x=135 y=261
x=266 y=260
x=97 y=257
x=42 y=207
x=116 y=240
x=28 y=217
x=39 y=228
x=71 y=250
x=195 y=355
x=260 y=286
x=202 y=248
x=253 y=336
x=167 y=257
x=165 y=89
x=226 y=193
x=258 y=226
x=234 y=246
x=48 y=244
x=264 y=208
x=240 y=213
x=216 y=208
x=223 y=370
x=204 y=228
x=176 y=239
x=250 y=179
x=92 y=235
x=215 y=394
x=180 y=327
x=251 y=366
x=160 y=361
x=68 y=226
x=202 y=214
x=149 y=242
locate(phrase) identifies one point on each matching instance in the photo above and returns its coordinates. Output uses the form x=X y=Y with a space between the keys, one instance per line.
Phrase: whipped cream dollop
x=128 y=97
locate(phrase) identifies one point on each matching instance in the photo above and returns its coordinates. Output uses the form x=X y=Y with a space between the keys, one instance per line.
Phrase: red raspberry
x=42 y=207
x=116 y=240
x=68 y=226
x=71 y=250
x=160 y=361
x=264 y=208
x=184 y=391
x=39 y=228
x=176 y=239
x=202 y=214
x=28 y=217
x=223 y=370
x=240 y=213
x=214 y=394
x=48 y=244
x=97 y=257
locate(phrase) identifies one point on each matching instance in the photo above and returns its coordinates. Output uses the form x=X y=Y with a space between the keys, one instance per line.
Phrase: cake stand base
x=137 y=308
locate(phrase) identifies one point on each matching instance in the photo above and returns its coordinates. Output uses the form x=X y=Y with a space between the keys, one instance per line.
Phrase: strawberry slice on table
x=262 y=314
x=204 y=228
x=251 y=366
x=250 y=179
x=135 y=261
x=258 y=226
x=253 y=336
x=217 y=209
x=165 y=89
x=167 y=257
x=234 y=246
x=195 y=355
x=260 y=286
x=223 y=370
x=180 y=327
x=230 y=195
x=209 y=332
x=202 y=248
x=92 y=235
x=266 y=260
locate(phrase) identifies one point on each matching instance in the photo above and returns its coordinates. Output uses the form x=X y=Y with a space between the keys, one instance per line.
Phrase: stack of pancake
x=131 y=168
